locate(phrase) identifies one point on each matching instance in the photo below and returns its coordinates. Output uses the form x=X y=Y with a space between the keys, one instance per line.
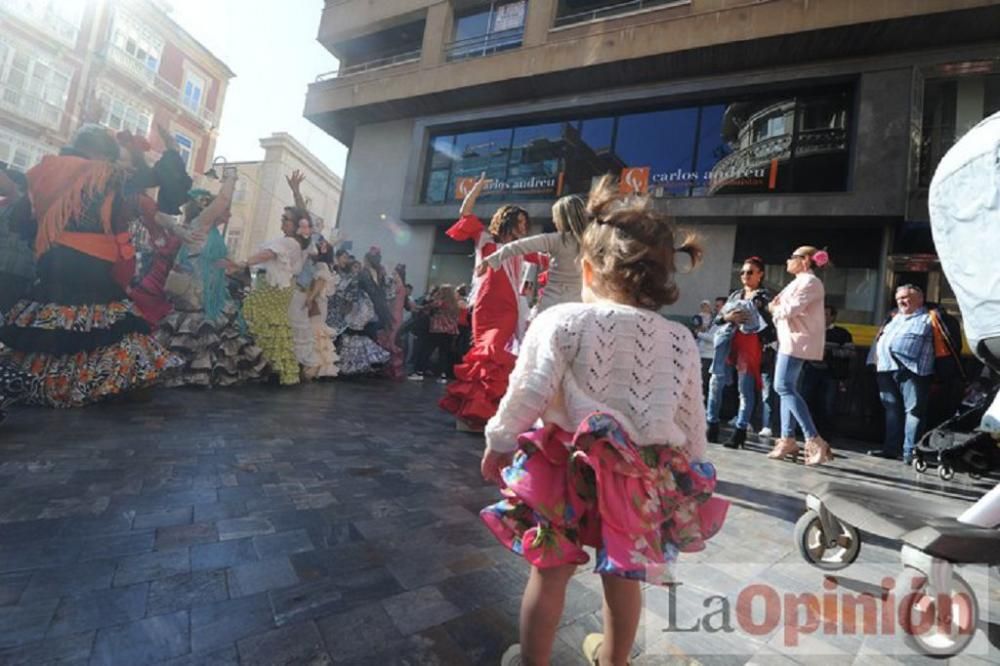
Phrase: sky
x=271 y=46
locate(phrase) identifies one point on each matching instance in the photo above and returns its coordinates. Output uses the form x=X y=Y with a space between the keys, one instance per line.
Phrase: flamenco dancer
x=274 y=310
x=351 y=316
x=77 y=333
x=498 y=315
x=206 y=328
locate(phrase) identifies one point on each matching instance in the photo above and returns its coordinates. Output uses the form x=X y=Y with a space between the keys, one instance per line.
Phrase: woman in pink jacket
x=801 y=326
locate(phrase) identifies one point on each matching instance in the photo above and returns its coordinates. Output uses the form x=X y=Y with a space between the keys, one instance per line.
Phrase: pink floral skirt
x=638 y=507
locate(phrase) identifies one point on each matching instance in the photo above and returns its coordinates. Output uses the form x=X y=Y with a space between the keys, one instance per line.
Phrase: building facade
x=262 y=193
x=761 y=124
x=123 y=63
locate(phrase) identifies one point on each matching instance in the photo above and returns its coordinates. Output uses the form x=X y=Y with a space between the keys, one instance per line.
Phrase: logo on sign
x=634 y=180
x=463 y=186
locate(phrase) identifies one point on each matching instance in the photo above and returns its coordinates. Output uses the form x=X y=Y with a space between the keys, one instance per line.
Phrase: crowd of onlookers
x=914 y=360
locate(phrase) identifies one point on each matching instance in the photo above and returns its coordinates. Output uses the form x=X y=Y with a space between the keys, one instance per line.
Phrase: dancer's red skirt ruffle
x=480 y=382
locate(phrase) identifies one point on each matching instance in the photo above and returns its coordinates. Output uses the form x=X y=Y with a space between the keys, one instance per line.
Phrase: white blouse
x=629 y=363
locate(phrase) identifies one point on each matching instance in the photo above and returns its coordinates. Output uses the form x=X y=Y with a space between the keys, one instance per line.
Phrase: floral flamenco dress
x=350 y=312
x=77 y=334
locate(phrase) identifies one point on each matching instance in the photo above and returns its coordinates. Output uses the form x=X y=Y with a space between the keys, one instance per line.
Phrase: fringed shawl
x=59 y=188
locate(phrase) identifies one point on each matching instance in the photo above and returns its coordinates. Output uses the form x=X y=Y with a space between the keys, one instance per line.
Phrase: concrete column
x=538 y=20
x=437 y=32
x=970 y=105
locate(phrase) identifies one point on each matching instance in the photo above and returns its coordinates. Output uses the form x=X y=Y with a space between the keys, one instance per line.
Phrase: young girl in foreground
x=619 y=463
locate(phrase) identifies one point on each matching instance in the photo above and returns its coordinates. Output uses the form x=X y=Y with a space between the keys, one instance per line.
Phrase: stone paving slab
x=336 y=523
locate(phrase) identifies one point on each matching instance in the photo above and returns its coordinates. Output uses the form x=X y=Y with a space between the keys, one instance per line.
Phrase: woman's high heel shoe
x=784 y=447
x=817 y=451
x=737 y=439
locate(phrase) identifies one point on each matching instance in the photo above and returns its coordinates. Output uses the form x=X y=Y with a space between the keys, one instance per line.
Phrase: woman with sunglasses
x=740 y=346
x=801 y=326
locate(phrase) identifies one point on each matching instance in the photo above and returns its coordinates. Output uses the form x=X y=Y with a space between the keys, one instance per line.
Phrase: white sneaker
x=416 y=376
x=765 y=432
x=512 y=656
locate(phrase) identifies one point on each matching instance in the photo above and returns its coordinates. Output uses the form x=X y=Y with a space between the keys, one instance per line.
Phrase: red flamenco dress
x=481 y=378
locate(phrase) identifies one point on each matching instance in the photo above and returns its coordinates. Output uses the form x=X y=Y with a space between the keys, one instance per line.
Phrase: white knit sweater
x=627 y=362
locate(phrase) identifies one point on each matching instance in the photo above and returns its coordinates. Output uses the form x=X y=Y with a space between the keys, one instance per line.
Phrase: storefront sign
x=634 y=180
x=531 y=185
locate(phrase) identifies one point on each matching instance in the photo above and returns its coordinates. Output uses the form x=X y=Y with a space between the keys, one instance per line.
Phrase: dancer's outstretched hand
x=493 y=463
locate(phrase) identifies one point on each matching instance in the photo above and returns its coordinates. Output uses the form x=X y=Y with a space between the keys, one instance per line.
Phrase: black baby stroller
x=958 y=446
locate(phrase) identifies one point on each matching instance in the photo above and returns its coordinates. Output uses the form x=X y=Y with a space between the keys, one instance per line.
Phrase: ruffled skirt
x=359 y=355
x=215 y=353
x=480 y=382
x=326 y=352
x=638 y=507
x=266 y=312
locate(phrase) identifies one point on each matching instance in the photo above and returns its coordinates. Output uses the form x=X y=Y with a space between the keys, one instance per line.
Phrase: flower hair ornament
x=821 y=258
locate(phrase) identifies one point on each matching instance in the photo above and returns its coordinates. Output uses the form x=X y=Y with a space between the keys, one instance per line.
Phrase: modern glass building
x=761 y=124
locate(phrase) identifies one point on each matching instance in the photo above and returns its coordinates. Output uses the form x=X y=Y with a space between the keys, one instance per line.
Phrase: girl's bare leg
x=541 y=610
x=622 y=610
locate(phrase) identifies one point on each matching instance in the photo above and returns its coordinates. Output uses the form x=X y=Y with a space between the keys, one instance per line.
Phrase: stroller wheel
x=929 y=628
x=920 y=465
x=830 y=554
x=946 y=472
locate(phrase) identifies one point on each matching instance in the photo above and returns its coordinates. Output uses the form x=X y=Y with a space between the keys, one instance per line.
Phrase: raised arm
x=222 y=201
x=470 y=199
x=295 y=184
x=541 y=243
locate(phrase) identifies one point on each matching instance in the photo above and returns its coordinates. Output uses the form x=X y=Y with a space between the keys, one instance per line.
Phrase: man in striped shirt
x=903 y=356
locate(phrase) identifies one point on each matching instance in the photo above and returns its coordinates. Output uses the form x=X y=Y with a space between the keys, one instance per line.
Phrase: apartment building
x=762 y=124
x=262 y=193
x=124 y=63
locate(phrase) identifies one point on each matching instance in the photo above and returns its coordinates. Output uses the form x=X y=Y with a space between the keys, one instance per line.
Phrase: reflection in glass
x=747 y=146
x=536 y=159
x=664 y=142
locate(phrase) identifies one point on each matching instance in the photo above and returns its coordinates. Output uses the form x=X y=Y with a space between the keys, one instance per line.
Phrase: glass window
x=193 y=87
x=185 y=146
x=479 y=152
x=536 y=160
x=662 y=141
x=589 y=153
x=747 y=146
x=472 y=25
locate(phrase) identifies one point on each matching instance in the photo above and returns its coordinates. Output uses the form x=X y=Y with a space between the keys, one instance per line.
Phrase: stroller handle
x=985 y=512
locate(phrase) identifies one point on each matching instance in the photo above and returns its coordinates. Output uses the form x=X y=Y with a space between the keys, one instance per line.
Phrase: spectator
x=903 y=356
x=743 y=353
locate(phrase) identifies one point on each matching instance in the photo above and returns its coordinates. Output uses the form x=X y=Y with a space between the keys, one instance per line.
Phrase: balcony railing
x=736 y=166
x=44 y=19
x=371 y=65
x=31 y=107
x=614 y=9
x=151 y=79
x=482 y=45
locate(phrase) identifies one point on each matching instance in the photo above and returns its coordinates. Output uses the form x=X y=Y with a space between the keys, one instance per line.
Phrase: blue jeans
x=904 y=397
x=767 y=400
x=786 y=379
x=747 y=387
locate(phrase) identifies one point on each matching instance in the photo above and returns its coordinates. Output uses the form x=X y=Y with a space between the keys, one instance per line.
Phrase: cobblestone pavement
x=336 y=523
